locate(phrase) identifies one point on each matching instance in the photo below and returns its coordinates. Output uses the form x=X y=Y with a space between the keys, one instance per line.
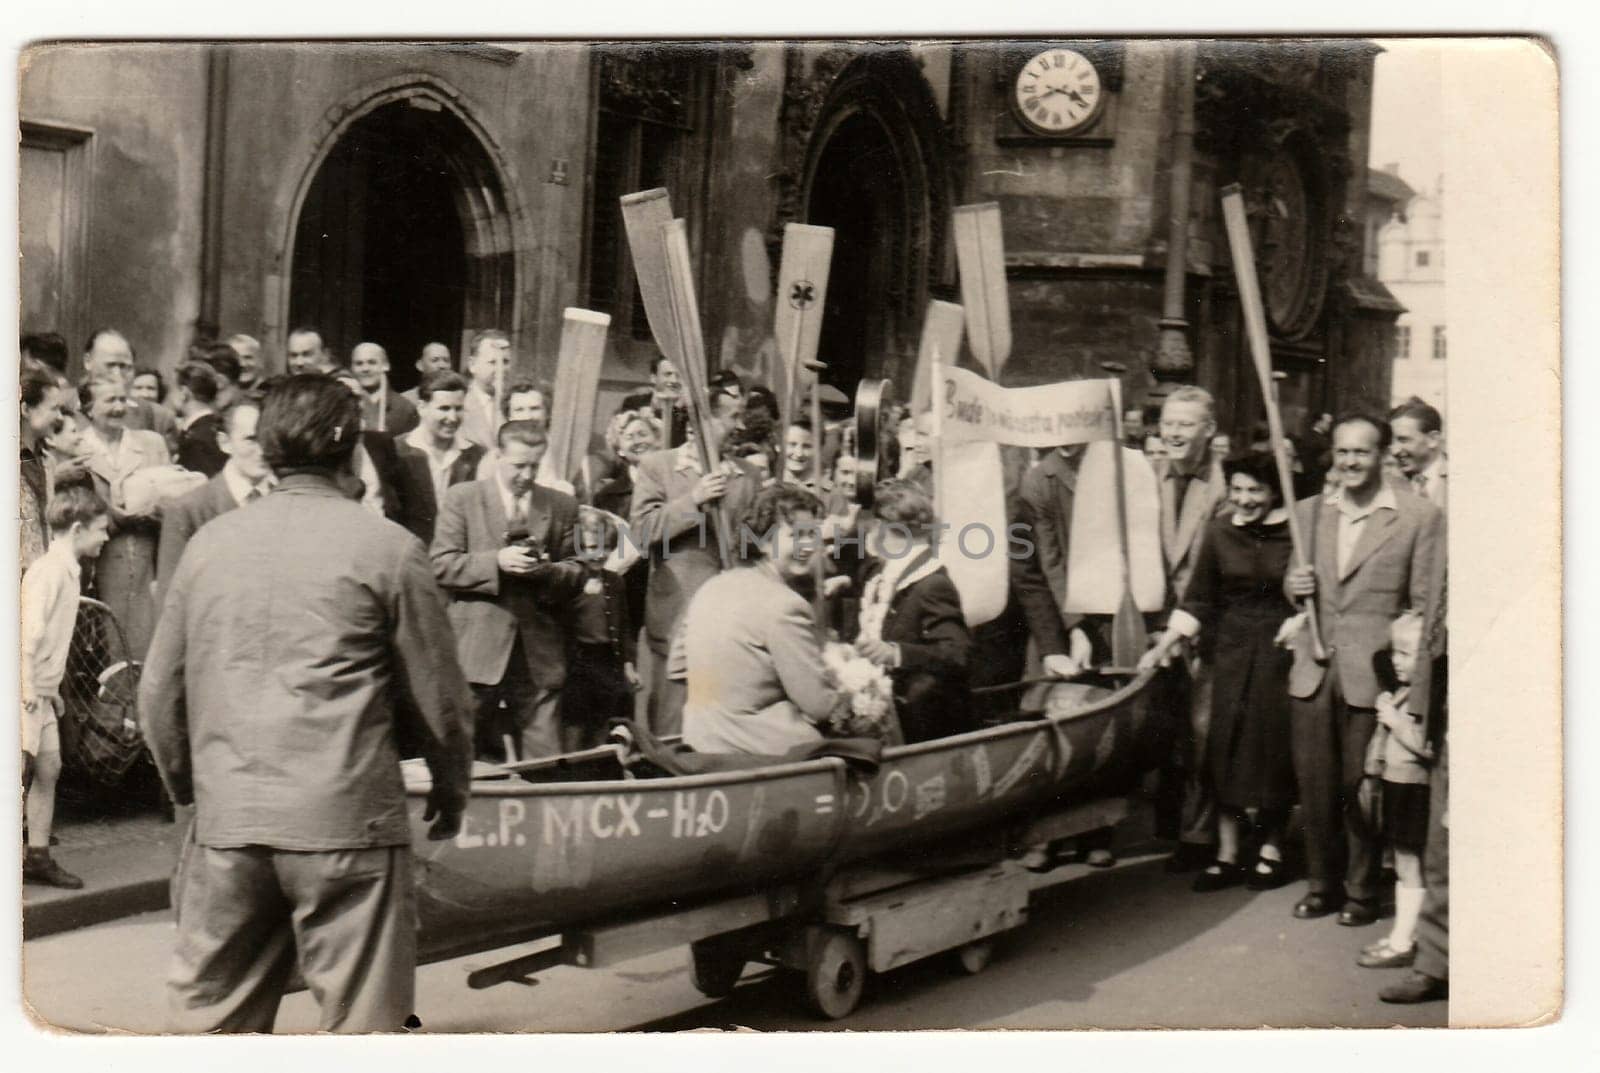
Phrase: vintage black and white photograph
x=790 y=534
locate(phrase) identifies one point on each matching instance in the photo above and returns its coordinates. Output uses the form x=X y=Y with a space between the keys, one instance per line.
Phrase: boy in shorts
x=78 y=520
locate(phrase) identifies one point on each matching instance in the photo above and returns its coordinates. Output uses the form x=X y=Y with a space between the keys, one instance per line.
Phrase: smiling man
x=1418 y=434
x=382 y=407
x=1373 y=548
x=435 y=456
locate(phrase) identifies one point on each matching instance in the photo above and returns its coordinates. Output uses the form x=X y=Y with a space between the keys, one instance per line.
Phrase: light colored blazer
x=1184 y=527
x=664 y=513
x=1391 y=570
x=489 y=610
x=755 y=670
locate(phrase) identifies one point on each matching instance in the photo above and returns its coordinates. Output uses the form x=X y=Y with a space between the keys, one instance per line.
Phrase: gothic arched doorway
x=874 y=176
x=403 y=237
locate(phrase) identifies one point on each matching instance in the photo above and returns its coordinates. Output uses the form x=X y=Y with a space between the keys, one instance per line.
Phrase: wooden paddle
x=1128 y=637
x=583 y=344
x=691 y=345
x=1255 y=321
x=941 y=332
x=643 y=216
x=982 y=260
x=797 y=317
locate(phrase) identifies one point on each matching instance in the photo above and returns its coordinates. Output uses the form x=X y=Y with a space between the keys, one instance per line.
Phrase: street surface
x=1131 y=947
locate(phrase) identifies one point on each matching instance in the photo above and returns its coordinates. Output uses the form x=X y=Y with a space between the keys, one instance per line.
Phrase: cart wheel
x=836 y=971
x=715 y=968
x=975 y=957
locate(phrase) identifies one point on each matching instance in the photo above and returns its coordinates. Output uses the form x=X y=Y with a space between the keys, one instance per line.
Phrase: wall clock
x=1058 y=92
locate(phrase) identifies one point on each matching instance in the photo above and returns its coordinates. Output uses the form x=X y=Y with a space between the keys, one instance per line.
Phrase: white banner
x=1050 y=415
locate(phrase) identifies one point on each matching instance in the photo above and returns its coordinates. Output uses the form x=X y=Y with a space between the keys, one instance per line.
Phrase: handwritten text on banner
x=1050 y=415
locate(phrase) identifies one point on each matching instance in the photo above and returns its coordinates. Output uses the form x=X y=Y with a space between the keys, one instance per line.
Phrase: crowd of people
x=498 y=619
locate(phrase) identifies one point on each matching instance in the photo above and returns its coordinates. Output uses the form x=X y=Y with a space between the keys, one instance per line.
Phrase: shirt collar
x=1384 y=500
x=240 y=486
x=419 y=438
x=187 y=422
x=62 y=550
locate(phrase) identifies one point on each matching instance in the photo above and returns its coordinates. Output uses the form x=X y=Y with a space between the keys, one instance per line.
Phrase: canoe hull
x=543 y=857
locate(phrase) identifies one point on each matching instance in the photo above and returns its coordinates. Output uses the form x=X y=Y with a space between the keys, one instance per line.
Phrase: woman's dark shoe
x=1318 y=904
x=1220 y=876
x=39 y=867
x=1358 y=913
x=1268 y=874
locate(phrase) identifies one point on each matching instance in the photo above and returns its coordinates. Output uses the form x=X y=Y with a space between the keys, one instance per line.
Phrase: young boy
x=78 y=520
x=601 y=679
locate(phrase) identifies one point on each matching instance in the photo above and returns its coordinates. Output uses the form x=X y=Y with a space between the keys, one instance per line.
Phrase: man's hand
x=517 y=560
x=1060 y=666
x=446 y=817
x=1159 y=654
x=711 y=486
x=1301 y=581
x=73 y=469
x=880 y=652
x=833 y=586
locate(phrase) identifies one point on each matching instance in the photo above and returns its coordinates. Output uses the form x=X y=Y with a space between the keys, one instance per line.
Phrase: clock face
x=1058 y=91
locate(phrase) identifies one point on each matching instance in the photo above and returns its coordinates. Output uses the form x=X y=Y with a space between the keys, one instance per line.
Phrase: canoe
x=576 y=841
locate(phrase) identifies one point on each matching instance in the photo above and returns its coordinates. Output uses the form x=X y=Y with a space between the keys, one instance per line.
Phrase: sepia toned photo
x=799 y=535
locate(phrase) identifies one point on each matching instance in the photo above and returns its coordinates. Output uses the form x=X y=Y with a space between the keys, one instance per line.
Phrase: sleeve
x=163 y=706
x=945 y=644
x=458 y=567
x=1199 y=607
x=652 y=516
x=1028 y=580
x=37 y=598
x=798 y=660
x=617 y=594
x=1428 y=564
x=440 y=703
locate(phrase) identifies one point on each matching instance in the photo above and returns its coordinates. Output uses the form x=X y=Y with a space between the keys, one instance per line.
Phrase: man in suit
x=1193 y=491
x=488 y=365
x=1373 y=550
x=493 y=550
x=672 y=520
x=194 y=395
x=303 y=640
x=434 y=457
x=435 y=358
x=664 y=398
x=108 y=355
x=243 y=479
x=377 y=476
x=1418 y=430
x=382 y=408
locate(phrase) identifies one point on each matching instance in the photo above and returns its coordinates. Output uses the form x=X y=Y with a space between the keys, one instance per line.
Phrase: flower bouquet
x=866 y=708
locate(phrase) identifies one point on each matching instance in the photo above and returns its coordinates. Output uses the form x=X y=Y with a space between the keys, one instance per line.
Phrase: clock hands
x=1071 y=94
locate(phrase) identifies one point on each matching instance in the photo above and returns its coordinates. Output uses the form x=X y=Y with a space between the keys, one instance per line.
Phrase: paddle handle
x=1255 y=320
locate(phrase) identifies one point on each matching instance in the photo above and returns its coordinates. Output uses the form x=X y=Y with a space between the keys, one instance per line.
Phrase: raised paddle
x=583 y=344
x=797 y=316
x=643 y=216
x=941 y=333
x=981 y=257
x=1255 y=322
x=1128 y=637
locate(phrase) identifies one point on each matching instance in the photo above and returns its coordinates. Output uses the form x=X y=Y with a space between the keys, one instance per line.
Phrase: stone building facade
x=407 y=192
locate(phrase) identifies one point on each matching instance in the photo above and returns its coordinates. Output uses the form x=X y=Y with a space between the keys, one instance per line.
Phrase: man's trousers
x=243 y=914
x=1329 y=740
x=1433 y=927
x=517 y=708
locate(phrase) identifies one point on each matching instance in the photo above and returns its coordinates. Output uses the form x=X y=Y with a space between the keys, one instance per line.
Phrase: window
x=1402 y=338
x=647 y=105
x=1422 y=258
x=1438 y=342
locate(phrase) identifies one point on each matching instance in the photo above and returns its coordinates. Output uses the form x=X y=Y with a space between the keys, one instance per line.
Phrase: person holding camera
x=494 y=547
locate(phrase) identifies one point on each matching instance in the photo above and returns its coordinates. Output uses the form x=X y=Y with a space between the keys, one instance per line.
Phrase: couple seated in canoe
x=759 y=679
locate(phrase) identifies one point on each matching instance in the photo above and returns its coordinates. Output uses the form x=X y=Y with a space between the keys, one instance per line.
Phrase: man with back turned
x=301 y=636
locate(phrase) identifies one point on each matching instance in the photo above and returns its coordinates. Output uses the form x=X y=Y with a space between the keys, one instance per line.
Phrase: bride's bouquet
x=867 y=695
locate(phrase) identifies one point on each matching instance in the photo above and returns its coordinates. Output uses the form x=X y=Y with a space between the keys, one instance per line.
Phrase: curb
x=90 y=907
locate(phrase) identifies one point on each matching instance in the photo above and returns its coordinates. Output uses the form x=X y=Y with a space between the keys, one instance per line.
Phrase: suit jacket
x=479 y=421
x=1392 y=569
x=416 y=484
x=491 y=610
x=399 y=416
x=666 y=523
x=925 y=619
x=197 y=446
x=1183 y=525
x=153 y=417
x=380 y=447
x=1043 y=505
x=302 y=637
x=180 y=521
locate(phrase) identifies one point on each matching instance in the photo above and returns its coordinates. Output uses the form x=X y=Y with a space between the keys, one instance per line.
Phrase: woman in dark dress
x=1234 y=608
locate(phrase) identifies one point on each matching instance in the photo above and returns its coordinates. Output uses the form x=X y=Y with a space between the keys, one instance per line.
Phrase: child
x=601 y=679
x=78 y=521
x=1399 y=754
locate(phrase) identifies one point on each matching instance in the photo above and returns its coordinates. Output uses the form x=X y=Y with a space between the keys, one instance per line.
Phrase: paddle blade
x=583 y=344
x=1128 y=637
x=982 y=260
x=643 y=215
x=941 y=335
x=802 y=290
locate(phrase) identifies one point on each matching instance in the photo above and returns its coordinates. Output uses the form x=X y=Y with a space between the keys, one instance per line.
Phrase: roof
x=1387 y=186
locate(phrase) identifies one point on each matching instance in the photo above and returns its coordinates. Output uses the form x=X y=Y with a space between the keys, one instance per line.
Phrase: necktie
x=253 y=494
